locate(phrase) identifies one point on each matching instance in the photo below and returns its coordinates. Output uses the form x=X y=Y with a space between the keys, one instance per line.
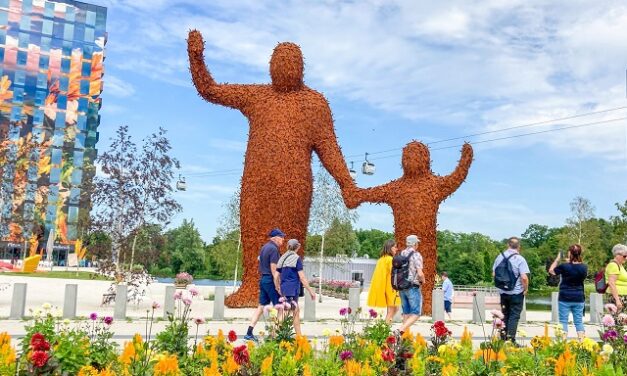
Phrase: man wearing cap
x=411 y=298
x=270 y=279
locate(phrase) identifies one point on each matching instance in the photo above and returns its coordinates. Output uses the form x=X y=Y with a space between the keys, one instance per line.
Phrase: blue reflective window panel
x=46 y=27
x=88 y=52
x=18 y=95
x=22 y=56
x=86 y=69
x=65 y=65
x=51 y=213
x=25 y=22
x=44 y=62
x=45 y=43
x=57 y=139
x=20 y=77
x=77 y=176
x=49 y=9
x=90 y=18
x=4 y=16
x=60 y=120
x=23 y=39
x=16 y=113
x=79 y=143
x=64 y=83
x=68 y=32
x=83 y=104
x=62 y=102
x=78 y=157
x=84 y=87
x=72 y=215
x=55 y=175
x=55 y=157
x=81 y=120
x=72 y=232
x=75 y=195
x=70 y=14
x=89 y=35
x=40 y=97
x=38 y=115
x=57 y=30
x=79 y=32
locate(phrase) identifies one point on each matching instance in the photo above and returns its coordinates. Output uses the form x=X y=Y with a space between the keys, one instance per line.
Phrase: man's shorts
x=267 y=291
x=447 y=306
x=411 y=301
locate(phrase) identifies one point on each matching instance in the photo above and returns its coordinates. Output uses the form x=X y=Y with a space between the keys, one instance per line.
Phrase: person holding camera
x=571 y=293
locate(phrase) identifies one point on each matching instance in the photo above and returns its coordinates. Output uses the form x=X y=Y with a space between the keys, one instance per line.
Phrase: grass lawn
x=61 y=274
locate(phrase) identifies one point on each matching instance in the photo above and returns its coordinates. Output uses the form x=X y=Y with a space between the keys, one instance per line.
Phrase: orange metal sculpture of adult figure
x=288 y=120
x=415 y=198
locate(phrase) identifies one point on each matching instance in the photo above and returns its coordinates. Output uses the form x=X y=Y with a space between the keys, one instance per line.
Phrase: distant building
x=51 y=67
x=341 y=268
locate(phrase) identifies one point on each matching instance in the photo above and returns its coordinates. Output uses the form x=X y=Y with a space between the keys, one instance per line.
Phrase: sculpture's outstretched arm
x=449 y=184
x=328 y=150
x=375 y=195
x=231 y=95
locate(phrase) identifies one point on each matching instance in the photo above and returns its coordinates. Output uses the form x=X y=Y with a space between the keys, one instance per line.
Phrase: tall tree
x=154 y=181
x=186 y=248
x=116 y=194
x=619 y=222
x=327 y=205
x=582 y=228
x=582 y=211
x=341 y=239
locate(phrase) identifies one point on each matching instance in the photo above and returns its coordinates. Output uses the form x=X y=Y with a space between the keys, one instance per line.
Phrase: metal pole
x=320 y=269
x=239 y=243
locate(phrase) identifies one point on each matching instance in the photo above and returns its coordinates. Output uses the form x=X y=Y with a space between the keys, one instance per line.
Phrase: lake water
x=201 y=282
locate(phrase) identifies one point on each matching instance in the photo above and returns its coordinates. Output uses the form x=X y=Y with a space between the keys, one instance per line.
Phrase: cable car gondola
x=367 y=168
x=180 y=184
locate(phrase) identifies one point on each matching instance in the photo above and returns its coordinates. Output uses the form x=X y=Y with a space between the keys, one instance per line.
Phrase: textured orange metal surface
x=288 y=121
x=415 y=198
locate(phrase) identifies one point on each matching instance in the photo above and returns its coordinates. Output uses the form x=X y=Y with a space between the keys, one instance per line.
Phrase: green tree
x=535 y=235
x=186 y=248
x=371 y=242
x=341 y=239
x=466 y=269
x=223 y=256
x=619 y=222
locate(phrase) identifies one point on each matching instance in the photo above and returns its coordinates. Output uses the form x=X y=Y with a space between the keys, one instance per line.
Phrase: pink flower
x=193 y=291
x=343 y=311
x=346 y=354
x=93 y=316
x=187 y=301
x=155 y=305
x=498 y=323
x=474 y=293
x=373 y=313
x=611 y=308
x=282 y=299
x=199 y=321
x=279 y=307
x=608 y=320
x=622 y=318
x=178 y=295
x=497 y=314
x=108 y=320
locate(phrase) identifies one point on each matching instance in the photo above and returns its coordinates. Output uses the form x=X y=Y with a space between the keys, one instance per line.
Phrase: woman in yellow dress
x=381 y=294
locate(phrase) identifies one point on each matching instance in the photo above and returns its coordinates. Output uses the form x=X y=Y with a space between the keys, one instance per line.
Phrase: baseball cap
x=276 y=232
x=412 y=239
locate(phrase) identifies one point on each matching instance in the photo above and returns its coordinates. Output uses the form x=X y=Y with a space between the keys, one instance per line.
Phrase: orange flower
x=5 y=93
x=565 y=363
x=466 y=339
x=336 y=341
x=303 y=348
x=128 y=354
x=490 y=355
x=352 y=368
x=167 y=366
x=211 y=371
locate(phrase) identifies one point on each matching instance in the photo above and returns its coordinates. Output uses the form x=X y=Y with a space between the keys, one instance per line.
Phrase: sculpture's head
x=416 y=159
x=286 y=67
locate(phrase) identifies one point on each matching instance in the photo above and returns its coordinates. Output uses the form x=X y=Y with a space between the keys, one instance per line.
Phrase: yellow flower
x=286 y=346
x=306 y=370
x=91 y=371
x=434 y=359
x=326 y=332
x=303 y=348
x=420 y=342
x=5 y=93
x=565 y=364
x=489 y=355
x=211 y=371
x=167 y=366
x=128 y=354
x=352 y=368
x=590 y=345
x=449 y=370
x=266 y=366
x=466 y=337
x=607 y=349
x=230 y=367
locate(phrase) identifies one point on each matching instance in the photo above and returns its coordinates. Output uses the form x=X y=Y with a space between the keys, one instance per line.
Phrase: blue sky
x=393 y=71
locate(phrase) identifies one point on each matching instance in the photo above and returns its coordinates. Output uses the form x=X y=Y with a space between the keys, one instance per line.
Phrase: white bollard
x=18 y=302
x=596 y=308
x=353 y=298
x=523 y=314
x=554 y=307
x=478 y=308
x=437 y=305
x=218 y=303
x=69 y=301
x=121 y=294
x=168 y=304
x=310 y=308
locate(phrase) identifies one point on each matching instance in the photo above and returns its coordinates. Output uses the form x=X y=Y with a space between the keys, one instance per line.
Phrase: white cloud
x=117 y=87
x=481 y=66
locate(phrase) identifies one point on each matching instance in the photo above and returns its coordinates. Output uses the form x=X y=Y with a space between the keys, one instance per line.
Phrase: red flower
x=390 y=340
x=441 y=331
x=39 y=358
x=407 y=355
x=38 y=342
x=232 y=336
x=438 y=324
x=387 y=354
x=240 y=355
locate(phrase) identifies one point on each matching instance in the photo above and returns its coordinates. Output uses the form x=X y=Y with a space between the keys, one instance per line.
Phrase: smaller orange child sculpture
x=415 y=198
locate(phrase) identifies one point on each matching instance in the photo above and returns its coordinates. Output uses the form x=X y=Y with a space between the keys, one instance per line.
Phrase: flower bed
x=333 y=287
x=53 y=347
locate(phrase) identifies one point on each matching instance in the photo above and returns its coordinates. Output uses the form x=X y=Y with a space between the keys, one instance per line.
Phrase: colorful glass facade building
x=51 y=67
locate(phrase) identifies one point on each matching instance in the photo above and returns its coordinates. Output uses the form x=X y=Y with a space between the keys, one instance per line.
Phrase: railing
x=468 y=290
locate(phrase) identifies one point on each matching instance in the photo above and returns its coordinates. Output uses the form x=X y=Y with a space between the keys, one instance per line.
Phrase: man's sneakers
x=251 y=337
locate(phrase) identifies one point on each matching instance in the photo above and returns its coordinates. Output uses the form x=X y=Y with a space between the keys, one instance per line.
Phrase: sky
x=393 y=72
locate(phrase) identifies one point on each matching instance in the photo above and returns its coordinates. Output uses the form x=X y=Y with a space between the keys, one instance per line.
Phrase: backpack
x=504 y=276
x=400 y=272
x=600 y=284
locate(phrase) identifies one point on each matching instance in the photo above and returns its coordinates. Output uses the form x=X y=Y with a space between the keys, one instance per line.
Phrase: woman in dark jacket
x=571 y=294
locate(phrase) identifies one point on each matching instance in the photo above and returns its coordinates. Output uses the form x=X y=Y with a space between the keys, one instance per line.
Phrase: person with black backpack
x=510 y=272
x=407 y=277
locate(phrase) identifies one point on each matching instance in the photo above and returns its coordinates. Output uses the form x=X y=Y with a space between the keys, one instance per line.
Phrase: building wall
x=340 y=269
x=51 y=67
